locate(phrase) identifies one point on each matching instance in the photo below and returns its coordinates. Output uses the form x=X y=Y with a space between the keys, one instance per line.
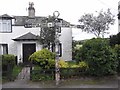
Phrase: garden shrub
x=51 y=64
x=42 y=74
x=100 y=57
x=8 y=59
x=117 y=50
x=75 y=47
x=72 y=69
x=74 y=66
x=83 y=65
x=62 y=64
x=8 y=63
x=78 y=55
x=67 y=70
x=115 y=39
x=44 y=58
x=71 y=62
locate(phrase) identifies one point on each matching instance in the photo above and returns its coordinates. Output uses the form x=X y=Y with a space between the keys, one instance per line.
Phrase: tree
x=97 y=24
x=47 y=34
x=115 y=39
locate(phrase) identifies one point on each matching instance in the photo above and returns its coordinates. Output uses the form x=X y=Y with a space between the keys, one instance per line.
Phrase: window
x=5 y=25
x=59 y=49
x=4 y=48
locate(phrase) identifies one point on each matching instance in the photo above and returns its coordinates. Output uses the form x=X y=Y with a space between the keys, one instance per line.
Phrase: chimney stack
x=31 y=10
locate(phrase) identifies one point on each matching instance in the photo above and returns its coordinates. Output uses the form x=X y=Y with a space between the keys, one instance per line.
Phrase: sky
x=70 y=10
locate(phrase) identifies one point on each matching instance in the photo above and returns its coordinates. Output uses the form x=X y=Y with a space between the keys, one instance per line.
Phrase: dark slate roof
x=23 y=20
x=28 y=36
x=6 y=16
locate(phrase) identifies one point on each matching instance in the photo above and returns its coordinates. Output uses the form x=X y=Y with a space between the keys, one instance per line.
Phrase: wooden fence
x=64 y=73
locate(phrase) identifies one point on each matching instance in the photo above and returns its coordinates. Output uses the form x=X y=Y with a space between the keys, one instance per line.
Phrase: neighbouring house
x=18 y=36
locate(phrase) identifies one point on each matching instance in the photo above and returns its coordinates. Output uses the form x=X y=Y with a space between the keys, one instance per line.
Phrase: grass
x=15 y=72
x=71 y=63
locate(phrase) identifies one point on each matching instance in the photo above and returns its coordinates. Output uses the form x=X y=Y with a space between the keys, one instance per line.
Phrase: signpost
x=56 y=23
x=57 y=31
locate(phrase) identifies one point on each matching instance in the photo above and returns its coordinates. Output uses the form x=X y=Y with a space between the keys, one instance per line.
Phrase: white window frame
x=8 y=28
x=2 y=49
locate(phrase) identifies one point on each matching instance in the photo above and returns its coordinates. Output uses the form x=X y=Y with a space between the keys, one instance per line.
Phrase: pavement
x=23 y=81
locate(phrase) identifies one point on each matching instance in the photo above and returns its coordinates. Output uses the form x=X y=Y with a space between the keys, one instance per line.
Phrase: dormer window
x=5 y=24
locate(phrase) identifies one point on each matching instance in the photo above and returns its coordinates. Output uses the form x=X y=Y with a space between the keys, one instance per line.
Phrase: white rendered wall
x=15 y=47
x=118 y=25
x=66 y=40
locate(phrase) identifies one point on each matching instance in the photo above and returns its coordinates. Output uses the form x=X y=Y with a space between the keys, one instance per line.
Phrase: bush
x=75 y=47
x=72 y=69
x=117 y=50
x=115 y=39
x=68 y=72
x=44 y=58
x=100 y=57
x=74 y=66
x=62 y=64
x=51 y=64
x=39 y=74
x=36 y=75
x=78 y=55
x=8 y=63
x=8 y=59
x=83 y=65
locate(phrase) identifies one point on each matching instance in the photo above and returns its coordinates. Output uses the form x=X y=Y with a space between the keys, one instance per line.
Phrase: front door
x=28 y=49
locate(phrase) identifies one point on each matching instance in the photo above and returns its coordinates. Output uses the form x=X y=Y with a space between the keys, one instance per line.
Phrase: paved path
x=24 y=74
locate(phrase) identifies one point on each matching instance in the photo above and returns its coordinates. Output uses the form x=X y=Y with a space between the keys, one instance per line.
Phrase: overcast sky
x=70 y=10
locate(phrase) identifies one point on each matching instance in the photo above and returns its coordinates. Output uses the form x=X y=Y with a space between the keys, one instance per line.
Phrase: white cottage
x=18 y=36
